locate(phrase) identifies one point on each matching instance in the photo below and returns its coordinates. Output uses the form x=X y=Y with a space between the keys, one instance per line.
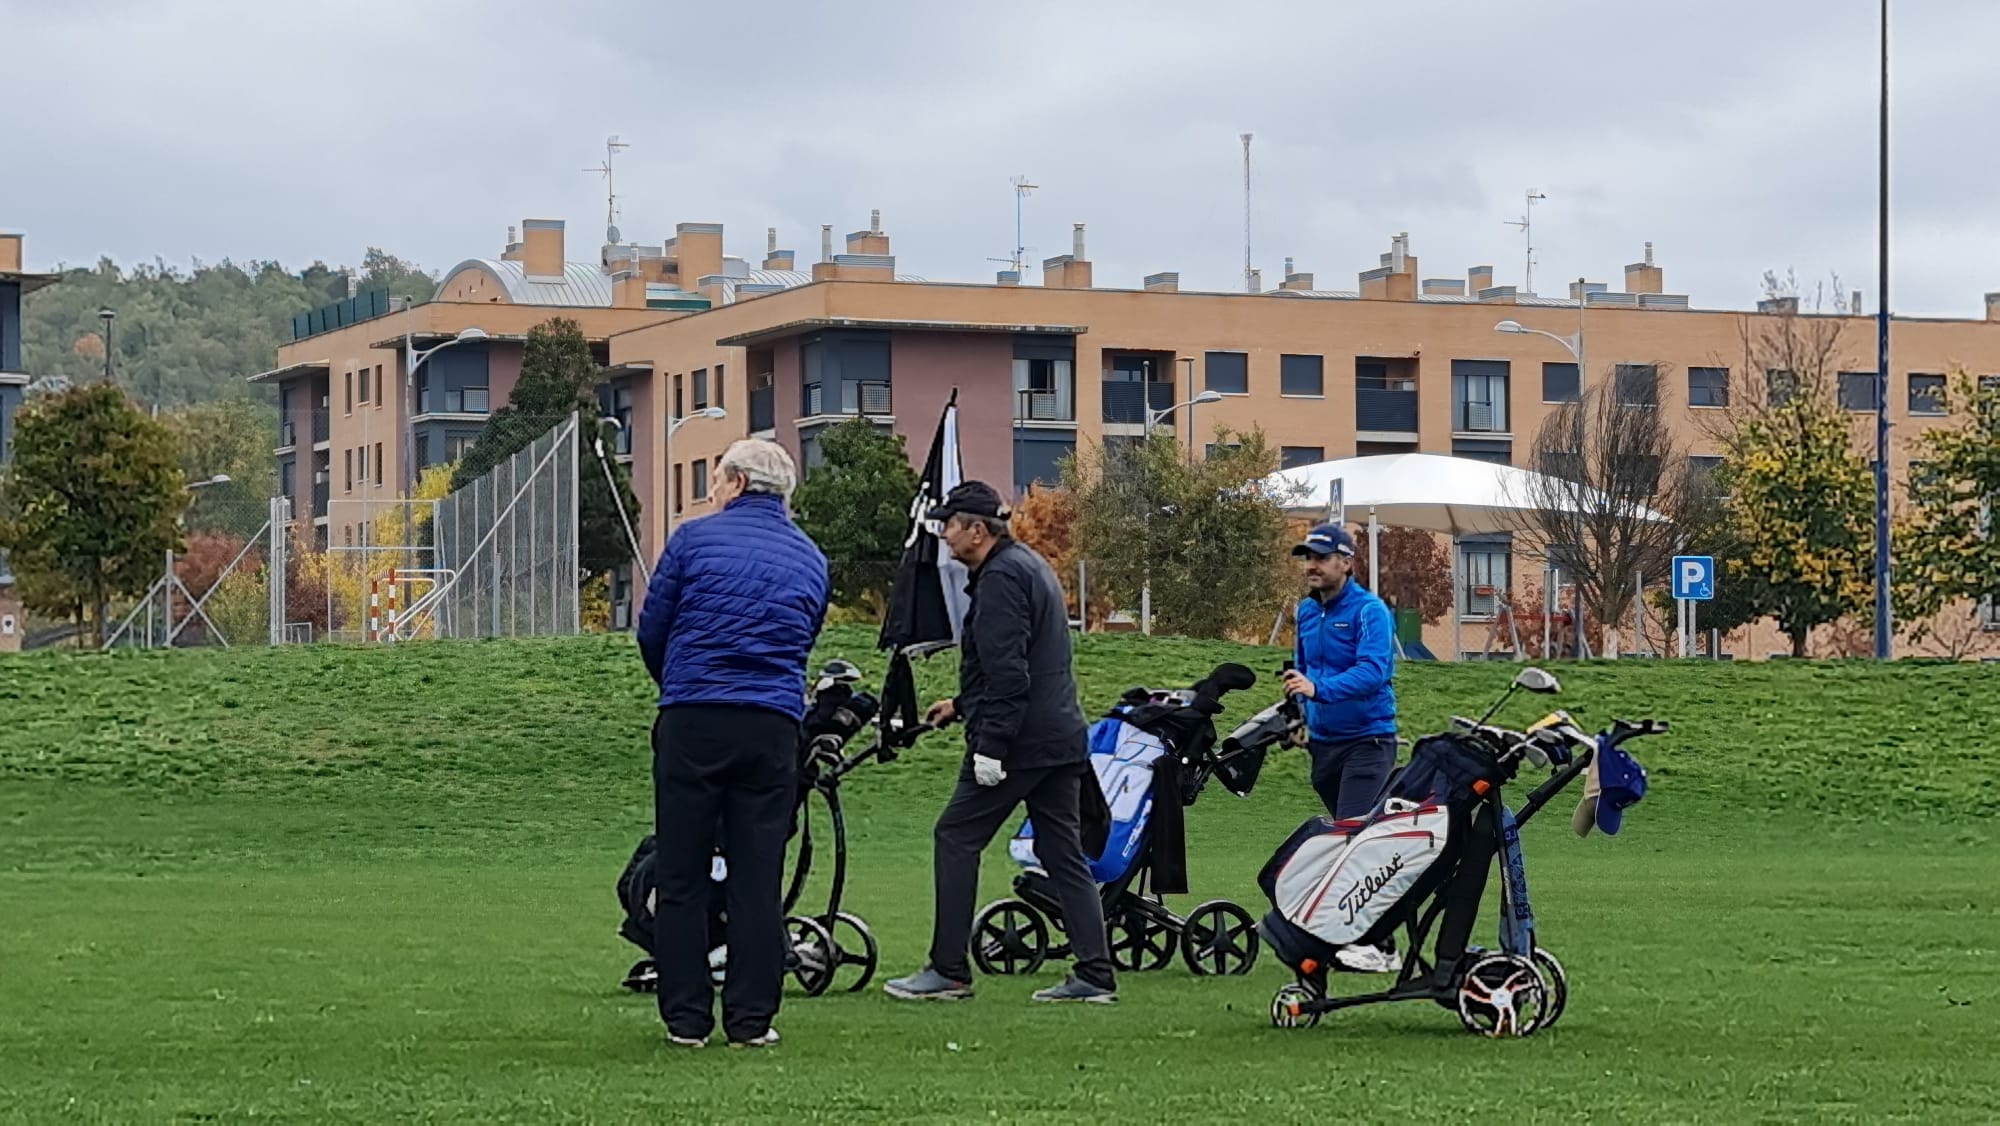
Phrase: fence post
x=571 y=577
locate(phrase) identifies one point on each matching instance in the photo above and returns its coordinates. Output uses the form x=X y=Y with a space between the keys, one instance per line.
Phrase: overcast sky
x=1736 y=136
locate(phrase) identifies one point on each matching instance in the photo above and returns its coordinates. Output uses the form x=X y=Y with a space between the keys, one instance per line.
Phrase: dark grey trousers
x=1351 y=776
x=968 y=824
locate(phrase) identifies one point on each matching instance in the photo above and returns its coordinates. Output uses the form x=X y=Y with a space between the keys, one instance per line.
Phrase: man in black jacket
x=1026 y=740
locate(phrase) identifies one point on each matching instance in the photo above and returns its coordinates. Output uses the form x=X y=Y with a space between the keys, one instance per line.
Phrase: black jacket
x=1016 y=692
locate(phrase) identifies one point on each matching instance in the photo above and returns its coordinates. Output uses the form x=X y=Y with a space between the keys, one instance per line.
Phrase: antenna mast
x=1018 y=260
x=611 y=146
x=1526 y=222
x=1249 y=286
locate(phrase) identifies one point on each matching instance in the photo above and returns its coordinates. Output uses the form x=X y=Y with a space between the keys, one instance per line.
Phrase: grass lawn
x=334 y=884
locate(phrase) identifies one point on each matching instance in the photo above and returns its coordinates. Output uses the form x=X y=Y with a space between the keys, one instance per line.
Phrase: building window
x=621 y=409
x=1044 y=391
x=347 y=456
x=718 y=387
x=1479 y=396
x=680 y=400
x=698 y=480
x=457 y=444
x=846 y=373
x=1926 y=394
x=362 y=398
x=679 y=475
x=347 y=535
x=1561 y=384
x=1227 y=372
x=378 y=465
x=1638 y=384
x=363 y=459
x=1857 y=390
x=1485 y=574
x=422 y=451
x=1302 y=375
x=473 y=400
x=700 y=381
x=1702 y=469
x=1293 y=457
x=1708 y=387
x=348 y=393
x=1779 y=387
x=380 y=394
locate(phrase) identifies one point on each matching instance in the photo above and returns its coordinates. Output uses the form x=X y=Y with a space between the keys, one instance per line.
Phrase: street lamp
x=1575 y=346
x=412 y=360
x=1153 y=418
x=674 y=424
x=107 y=316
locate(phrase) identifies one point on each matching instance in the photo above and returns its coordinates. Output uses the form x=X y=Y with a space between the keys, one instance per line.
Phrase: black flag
x=928 y=601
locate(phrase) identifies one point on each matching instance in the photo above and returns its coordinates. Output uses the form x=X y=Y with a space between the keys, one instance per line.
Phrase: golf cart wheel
x=1556 y=982
x=1009 y=937
x=643 y=977
x=1140 y=940
x=1287 y=1005
x=1502 y=996
x=810 y=954
x=860 y=950
x=1219 y=939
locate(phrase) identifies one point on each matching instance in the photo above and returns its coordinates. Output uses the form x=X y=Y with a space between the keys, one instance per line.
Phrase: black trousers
x=1352 y=776
x=725 y=775
x=968 y=824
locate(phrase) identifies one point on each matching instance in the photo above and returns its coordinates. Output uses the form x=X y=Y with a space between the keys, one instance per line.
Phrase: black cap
x=973 y=498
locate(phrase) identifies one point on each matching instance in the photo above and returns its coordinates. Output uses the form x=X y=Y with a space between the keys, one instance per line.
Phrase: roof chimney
x=770 y=240
x=1649 y=254
x=1288 y=265
x=1256 y=281
x=1076 y=243
x=542 y=248
x=826 y=242
x=875 y=222
x=1993 y=306
x=1167 y=282
x=1855 y=308
x=1645 y=277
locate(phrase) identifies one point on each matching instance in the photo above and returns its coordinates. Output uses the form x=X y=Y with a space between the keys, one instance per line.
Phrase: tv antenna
x=1020 y=258
x=611 y=146
x=1527 y=222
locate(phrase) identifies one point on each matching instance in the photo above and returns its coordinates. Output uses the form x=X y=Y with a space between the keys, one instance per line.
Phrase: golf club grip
x=1543 y=793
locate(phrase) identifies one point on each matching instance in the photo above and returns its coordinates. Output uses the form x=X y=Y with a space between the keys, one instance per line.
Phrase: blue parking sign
x=1694 y=577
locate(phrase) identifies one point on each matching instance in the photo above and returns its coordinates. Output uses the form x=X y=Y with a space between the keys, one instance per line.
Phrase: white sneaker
x=687 y=1041
x=767 y=1040
x=1368 y=959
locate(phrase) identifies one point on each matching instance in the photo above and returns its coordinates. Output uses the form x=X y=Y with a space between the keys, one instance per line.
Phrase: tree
x=1212 y=548
x=1946 y=551
x=856 y=507
x=232 y=438
x=1612 y=483
x=91 y=503
x=559 y=377
x=1416 y=571
x=1799 y=521
x=1045 y=520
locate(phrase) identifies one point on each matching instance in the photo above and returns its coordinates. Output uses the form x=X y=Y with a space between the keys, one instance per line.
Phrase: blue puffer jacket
x=734 y=608
x=1347 y=648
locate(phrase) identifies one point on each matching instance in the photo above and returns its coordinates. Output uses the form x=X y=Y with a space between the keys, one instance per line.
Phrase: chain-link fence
x=506 y=553
x=218 y=589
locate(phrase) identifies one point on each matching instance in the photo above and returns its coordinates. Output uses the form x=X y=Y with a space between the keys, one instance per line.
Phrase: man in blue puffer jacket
x=727 y=630
x=1346 y=660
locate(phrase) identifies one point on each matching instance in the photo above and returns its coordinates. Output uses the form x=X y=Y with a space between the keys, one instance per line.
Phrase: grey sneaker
x=928 y=985
x=1075 y=988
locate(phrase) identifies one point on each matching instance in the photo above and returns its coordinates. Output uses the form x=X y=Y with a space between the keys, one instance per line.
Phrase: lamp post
x=1153 y=419
x=1574 y=344
x=107 y=315
x=168 y=580
x=1884 y=643
x=674 y=424
x=412 y=360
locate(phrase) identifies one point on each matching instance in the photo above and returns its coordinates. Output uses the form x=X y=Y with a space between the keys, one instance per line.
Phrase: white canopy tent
x=1455 y=496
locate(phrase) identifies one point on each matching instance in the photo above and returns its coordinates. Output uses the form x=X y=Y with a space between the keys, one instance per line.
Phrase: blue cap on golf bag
x=1622 y=783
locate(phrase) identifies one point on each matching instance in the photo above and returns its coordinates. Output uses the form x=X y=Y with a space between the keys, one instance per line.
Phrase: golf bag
x=1334 y=884
x=836 y=714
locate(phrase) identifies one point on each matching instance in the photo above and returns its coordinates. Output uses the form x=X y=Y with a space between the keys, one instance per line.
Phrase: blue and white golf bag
x=1123 y=757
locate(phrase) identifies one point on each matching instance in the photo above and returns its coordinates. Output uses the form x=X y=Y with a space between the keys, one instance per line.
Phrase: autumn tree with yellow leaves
x=1947 y=545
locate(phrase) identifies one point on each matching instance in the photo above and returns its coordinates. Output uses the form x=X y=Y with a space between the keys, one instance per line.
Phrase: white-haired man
x=727 y=629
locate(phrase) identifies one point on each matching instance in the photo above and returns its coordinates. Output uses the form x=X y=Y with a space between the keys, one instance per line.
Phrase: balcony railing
x=1128 y=402
x=321 y=491
x=850 y=396
x=288 y=435
x=763 y=408
x=322 y=427
x=1032 y=405
x=1378 y=408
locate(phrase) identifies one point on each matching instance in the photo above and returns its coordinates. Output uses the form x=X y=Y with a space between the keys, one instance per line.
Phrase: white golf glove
x=986 y=771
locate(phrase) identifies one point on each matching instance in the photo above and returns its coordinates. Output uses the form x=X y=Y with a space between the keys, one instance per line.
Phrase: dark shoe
x=928 y=985
x=1075 y=988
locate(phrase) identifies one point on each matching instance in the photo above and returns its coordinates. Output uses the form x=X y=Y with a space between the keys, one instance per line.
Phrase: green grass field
x=326 y=884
